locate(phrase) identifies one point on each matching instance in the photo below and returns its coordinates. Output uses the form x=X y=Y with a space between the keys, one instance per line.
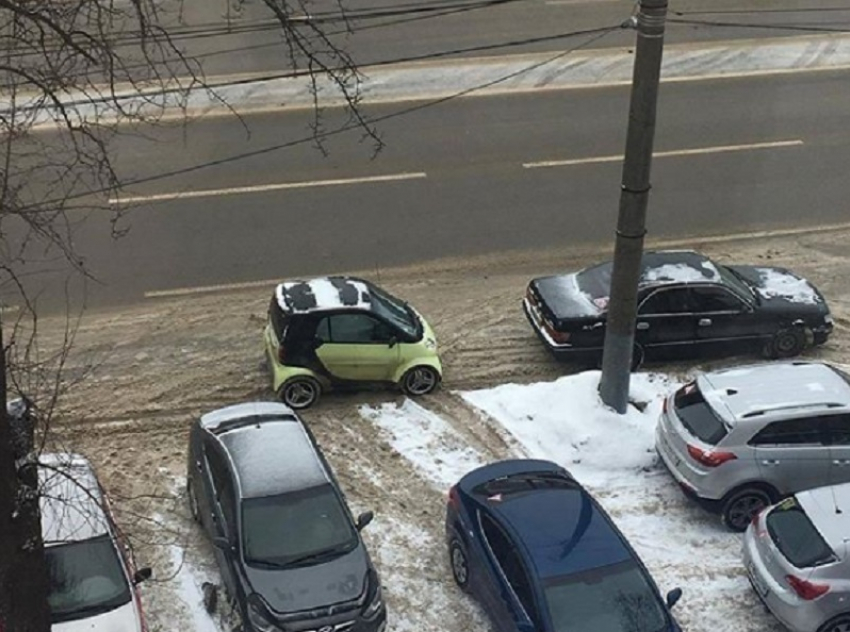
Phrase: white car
x=797 y=557
x=93 y=581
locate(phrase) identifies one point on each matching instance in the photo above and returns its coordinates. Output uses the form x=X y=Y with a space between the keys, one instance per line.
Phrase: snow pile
x=564 y=421
x=778 y=284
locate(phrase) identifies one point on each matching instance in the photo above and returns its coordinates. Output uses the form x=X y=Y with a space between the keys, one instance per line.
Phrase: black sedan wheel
x=786 y=343
x=460 y=567
x=841 y=623
x=300 y=392
x=420 y=380
x=742 y=505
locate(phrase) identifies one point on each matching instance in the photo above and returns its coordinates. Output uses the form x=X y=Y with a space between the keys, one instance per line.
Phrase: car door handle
x=198 y=465
x=704 y=322
x=770 y=462
x=841 y=462
x=642 y=325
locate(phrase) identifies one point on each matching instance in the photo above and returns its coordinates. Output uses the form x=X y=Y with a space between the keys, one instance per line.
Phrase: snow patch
x=682 y=273
x=188 y=582
x=778 y=284
x=426 y=440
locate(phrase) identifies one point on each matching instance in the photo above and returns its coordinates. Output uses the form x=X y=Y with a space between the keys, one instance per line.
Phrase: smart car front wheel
x=420 y=380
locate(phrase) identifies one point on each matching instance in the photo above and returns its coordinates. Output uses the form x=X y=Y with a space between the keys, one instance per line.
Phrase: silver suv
x=739 y=439
x=797 y=558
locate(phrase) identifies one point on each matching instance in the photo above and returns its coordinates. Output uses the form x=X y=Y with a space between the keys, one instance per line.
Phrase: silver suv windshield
x=296 y=528
x=796 y=537
x=697 y=416
x=614 y=598
x=86 y=579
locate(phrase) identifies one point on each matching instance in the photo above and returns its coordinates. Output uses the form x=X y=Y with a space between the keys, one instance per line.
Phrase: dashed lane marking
x=263 y=188
x=778 y=144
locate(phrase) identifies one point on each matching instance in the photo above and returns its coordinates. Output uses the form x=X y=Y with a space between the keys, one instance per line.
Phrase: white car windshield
x=86 y=579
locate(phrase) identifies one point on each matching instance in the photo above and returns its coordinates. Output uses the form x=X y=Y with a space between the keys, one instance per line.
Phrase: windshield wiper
x=318 y=555
x=265 y=563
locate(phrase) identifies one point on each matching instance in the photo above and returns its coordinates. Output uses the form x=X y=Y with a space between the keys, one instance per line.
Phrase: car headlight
x=259 y=617
x=374 y=605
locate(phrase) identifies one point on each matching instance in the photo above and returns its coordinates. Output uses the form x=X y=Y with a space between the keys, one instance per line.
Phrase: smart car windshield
x=297 y=528
x=614 y=598
x=395 y=311
x=86 y=579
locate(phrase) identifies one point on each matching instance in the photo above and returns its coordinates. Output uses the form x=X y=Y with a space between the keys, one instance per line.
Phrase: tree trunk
x=23 y=567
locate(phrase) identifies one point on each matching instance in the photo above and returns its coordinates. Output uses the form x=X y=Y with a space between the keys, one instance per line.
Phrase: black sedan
x=688 y=306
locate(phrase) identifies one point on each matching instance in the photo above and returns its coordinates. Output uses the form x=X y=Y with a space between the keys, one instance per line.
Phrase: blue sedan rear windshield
x=614 y=598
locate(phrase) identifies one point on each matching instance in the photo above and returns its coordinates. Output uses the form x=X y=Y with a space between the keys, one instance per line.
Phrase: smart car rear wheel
x=299 y=392
x=786 y=343
x=740 y=507
x=841 y=623
x=460 y=567
x=420 y=380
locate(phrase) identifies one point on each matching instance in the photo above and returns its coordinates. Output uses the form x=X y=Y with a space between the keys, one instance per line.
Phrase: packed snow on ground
x=614 y=457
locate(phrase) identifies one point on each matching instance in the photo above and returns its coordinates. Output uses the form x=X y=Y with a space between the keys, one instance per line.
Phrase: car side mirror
x=673 y=596
x=141 y=575
x=392 y=342
x=222 y=543
x=364 y=519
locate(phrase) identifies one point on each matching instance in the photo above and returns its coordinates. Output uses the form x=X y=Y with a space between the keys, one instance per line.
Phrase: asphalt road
x=462 y=178
x=232 y=37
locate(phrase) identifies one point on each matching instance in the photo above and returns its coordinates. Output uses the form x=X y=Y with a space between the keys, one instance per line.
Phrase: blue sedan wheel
x=460 y=567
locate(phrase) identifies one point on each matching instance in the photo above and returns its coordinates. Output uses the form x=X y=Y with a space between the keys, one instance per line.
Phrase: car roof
x=765 y=391
x=324 y=293
x=829 y=510
x=243 y=414
x=70 y=499
x=273 y=455
x=662 y=267
x=564 y=531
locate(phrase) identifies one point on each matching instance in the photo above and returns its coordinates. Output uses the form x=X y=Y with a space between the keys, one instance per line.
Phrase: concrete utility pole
x=631 y=223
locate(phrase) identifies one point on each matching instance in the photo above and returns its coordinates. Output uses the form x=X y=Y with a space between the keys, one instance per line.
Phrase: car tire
x=420 y=380
x=194 y=510
x=786 y=343
x=210 y=597
x=741 y=505
x=300 y=392
x=459 y=563
x=841 y=623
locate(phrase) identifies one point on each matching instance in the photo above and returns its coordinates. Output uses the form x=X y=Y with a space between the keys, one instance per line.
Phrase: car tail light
x=558 y=336
x=281 y=354
x=710 y=458
x=805 y=589
x=454 y=500
x=755 y=520
x=665 y=405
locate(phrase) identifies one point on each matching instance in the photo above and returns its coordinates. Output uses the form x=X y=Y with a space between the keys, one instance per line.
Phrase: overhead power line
x=595 y=35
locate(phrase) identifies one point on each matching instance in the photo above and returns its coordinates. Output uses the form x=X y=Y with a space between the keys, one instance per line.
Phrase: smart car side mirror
x=364 y=519
x=141 y=575
x=392 y=342
x=673 y=596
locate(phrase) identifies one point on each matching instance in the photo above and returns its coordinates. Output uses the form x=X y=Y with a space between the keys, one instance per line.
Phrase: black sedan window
x=615 y=598
x=666 y=301
x=296 y=528
x=714 y=299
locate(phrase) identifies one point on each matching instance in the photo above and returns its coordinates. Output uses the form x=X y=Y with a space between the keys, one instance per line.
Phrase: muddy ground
x=153 y=367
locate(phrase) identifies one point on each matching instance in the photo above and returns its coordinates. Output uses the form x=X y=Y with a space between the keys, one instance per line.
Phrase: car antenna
x=835 y=501
x=377 y=272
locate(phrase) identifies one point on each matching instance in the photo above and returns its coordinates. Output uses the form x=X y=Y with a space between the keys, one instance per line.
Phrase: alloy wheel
x=460 y=569
x=741 y=509
x=420 y=380
x=300 y=393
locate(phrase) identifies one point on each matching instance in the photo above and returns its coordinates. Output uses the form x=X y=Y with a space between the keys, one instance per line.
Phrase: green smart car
x=342 y=331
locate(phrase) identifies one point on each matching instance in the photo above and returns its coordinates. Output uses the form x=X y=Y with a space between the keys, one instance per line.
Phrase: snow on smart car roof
x=742 y=392
x=273 y=457
x=323 y=293
x=70 y=500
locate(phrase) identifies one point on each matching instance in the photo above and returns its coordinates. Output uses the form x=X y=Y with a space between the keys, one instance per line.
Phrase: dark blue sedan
x=540 y=555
